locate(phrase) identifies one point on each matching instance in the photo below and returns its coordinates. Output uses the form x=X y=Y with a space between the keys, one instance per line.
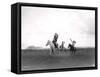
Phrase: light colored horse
x=52 y=47
x=54 y=50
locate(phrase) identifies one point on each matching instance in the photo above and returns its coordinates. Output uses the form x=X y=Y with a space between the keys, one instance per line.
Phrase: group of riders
x=71 y=45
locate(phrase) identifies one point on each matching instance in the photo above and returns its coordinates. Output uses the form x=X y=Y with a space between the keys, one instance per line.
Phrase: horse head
x=48 y=43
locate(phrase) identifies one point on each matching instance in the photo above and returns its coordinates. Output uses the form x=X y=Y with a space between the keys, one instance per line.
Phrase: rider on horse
x=55 y=40
x=72 y=46
x=73 y=42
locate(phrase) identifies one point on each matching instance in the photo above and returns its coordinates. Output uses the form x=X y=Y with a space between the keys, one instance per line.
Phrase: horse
x=72 y=48
x=61 y=47
x=52 y=47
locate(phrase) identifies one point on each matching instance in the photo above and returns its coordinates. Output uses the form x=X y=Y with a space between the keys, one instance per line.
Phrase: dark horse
x=72 y=48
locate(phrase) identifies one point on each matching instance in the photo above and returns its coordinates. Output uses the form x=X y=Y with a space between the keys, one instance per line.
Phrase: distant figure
x=73 y=42
x=55 y=40
x=72 y=46
x=62 y=48
x=62 y=45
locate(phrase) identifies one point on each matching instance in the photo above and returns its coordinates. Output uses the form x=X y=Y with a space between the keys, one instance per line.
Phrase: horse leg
x=75 y=50
x=50 y=52
x=71 y=51
x=53 y=51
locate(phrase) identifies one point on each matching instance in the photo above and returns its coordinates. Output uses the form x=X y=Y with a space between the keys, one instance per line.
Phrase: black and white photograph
x=57 y=38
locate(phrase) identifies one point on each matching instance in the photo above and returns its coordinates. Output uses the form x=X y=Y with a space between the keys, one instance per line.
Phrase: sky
x=40 y=24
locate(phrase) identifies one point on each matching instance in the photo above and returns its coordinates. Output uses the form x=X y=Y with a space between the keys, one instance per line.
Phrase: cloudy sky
x=39 y=25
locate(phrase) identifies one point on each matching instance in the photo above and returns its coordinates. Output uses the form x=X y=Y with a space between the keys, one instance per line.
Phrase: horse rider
x=62 y=45
x=73 y=42
x=55 y=40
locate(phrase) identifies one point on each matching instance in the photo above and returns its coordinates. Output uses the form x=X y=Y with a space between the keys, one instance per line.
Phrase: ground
x=41 y=59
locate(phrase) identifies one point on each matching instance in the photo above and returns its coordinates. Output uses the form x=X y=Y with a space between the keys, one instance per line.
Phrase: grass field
x=41 y=59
